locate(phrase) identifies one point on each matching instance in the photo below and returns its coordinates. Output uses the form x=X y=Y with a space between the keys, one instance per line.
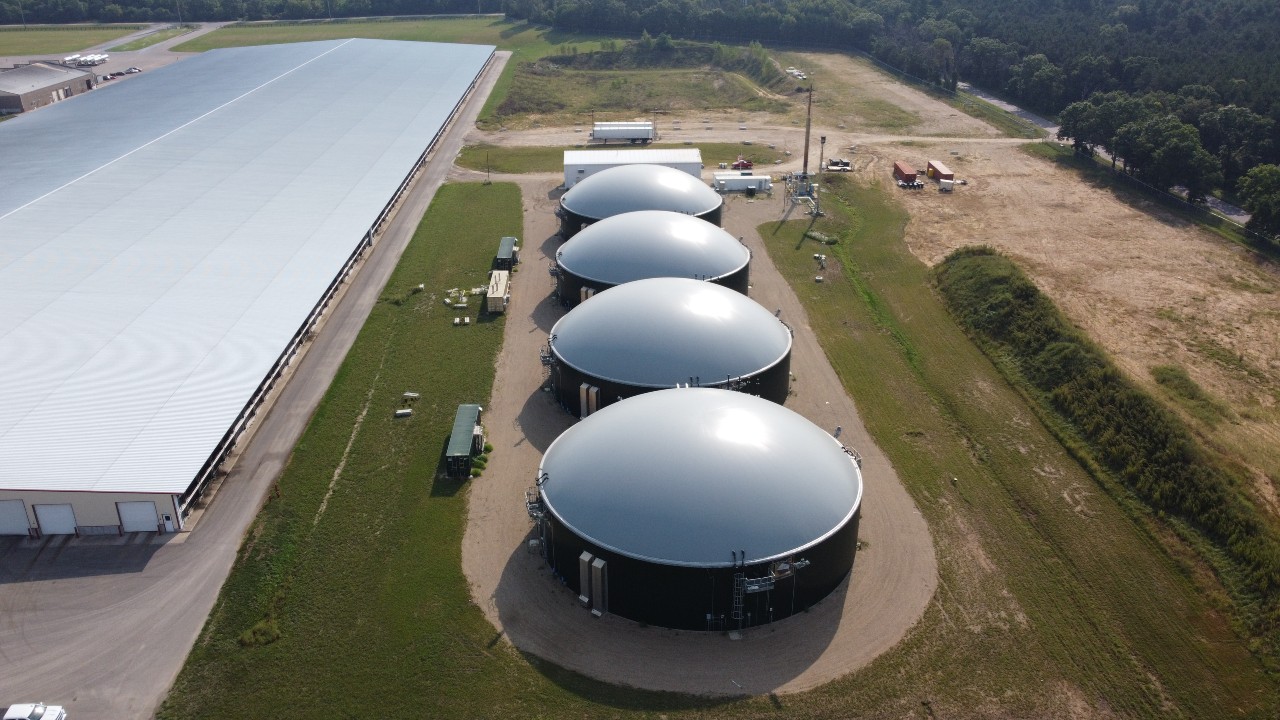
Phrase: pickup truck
x=35 y=711
x=743 y=164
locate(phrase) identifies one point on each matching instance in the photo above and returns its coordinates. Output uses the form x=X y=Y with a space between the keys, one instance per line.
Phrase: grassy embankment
x=530 y=159
x=1051 y=595
x=58 y=39
x=1121 y=433
x=154 y=38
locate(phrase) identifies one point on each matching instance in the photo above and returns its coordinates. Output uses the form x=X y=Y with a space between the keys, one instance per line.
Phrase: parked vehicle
x=634 y=132
x=743 y=164
x=35 y=711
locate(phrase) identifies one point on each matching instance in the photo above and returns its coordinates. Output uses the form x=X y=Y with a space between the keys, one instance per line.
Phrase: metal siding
x=165 y=238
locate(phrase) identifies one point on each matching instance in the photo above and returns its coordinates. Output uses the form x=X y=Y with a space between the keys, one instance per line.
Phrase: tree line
x=1195 y=82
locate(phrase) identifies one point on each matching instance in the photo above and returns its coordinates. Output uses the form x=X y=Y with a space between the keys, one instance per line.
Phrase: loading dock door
x=56 y=519
x=13 y=518
x=137 y=516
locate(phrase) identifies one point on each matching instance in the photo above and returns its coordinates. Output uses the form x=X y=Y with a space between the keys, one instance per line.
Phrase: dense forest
x=1194 y=86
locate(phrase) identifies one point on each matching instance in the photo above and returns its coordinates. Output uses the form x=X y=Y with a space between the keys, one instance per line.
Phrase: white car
x=35 y=711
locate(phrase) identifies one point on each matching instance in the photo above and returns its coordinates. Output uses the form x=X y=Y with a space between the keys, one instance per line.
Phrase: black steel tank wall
x=569 y=286
x=571 y=223
x=566 y=381
x=682 y=597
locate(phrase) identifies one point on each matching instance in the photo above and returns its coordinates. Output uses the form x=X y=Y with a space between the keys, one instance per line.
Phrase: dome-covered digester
x=628 y=188
x=699 y=508
x=662 y=333
x=646 y=244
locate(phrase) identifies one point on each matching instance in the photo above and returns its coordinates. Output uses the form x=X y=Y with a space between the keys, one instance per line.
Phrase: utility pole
x=178 y=4
x=808 y=125
x=22 y=14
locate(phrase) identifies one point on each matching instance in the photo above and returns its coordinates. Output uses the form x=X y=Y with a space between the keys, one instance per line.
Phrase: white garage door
x=13 y=518
x=137 y=516
x=56 y=519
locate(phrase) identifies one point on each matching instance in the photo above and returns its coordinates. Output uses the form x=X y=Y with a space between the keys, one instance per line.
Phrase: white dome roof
x=662 y=331
x=652 y=243
x=628 y=188
x=687 y=476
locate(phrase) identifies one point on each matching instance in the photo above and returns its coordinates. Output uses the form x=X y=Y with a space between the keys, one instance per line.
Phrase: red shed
x=938 y=171
x=904 y=172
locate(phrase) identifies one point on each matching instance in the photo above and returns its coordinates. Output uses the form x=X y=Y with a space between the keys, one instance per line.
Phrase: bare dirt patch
x=1149 y=287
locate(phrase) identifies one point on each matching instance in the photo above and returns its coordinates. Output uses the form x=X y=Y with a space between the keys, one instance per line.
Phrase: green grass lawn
x=527 y=159
x=154 y=38
x=58 y=39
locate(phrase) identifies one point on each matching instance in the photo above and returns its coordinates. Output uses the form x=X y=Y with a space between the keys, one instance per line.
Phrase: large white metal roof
x=163 y=238
x=652 y=243
x=628 y=188
x=684 y=476
x=663 y=331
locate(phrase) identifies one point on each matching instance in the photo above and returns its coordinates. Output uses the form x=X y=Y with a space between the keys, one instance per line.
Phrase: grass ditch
x=1123 y=431
x=58 y=39
x=531 y=159
x=1047 y=584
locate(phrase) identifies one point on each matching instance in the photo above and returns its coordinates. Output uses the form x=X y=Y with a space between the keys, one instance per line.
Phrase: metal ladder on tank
x=739 y=593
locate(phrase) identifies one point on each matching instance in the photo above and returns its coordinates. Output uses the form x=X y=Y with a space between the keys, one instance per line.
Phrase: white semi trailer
x=633 y=132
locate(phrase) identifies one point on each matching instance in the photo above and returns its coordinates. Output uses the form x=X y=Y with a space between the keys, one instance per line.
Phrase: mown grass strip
x=58 y=39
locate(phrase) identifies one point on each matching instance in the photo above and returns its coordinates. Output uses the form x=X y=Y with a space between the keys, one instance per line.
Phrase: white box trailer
x=582 y=164
x=738 y=182
x=633 y=132
x=499 y=295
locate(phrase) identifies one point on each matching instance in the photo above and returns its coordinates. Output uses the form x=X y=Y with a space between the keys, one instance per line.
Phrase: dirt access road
x=891 y=584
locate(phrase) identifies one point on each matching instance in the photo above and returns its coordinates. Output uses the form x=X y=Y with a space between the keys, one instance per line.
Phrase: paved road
x=104 y=625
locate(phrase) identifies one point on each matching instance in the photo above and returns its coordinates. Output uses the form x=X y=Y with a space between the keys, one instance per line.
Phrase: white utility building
x=165 y=246
x=580 y=164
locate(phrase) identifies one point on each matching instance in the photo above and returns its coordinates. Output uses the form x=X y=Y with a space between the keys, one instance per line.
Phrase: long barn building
x=165 y=246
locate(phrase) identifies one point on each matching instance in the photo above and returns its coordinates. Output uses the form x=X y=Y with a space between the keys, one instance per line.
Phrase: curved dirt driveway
x=892 y=581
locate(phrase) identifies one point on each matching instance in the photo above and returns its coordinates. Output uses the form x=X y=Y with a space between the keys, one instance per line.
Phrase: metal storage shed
x=582 y=164
x=466 y=441
x=938 y=171
x=698 y=509
x=508 y=254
